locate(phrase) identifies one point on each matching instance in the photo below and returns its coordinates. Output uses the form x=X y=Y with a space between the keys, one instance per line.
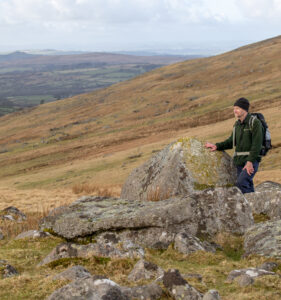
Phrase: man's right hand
x=212 y=147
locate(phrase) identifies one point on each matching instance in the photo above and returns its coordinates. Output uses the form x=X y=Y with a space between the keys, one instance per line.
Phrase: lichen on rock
x=181 y=168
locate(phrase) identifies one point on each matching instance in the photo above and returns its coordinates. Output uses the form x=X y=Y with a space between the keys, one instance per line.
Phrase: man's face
x=239 y=112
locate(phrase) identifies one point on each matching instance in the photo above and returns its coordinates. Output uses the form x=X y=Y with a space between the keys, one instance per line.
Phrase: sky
x=135 y=25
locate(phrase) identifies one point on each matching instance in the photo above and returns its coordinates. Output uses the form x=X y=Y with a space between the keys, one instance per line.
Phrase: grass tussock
x=158 y=194
x=232 y=245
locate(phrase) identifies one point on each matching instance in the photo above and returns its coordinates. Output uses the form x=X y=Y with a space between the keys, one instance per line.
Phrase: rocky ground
x=201 y=238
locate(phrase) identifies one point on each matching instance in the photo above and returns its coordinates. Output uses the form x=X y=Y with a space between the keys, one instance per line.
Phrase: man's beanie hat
x=243 y=103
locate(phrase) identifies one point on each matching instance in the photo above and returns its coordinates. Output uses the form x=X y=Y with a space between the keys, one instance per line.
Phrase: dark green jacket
x=246 y=140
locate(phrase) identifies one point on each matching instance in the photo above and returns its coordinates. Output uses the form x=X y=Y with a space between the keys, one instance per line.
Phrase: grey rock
x=269 y=266
x=251 y=272
x=179 y=169
x=178 y=288
x=151 y=291
x=8 y=217
x=264 y=239
x=266 y=200
x=145 y=270
x=89 y=289
x=212 y=295
x=186 y=243
x=71 y=250
x=32 y=234
x=73 y=273
x=6 y=270
x=193 y=275
x=244 y=280
x=13 y=214
x=205 y=212
x=1 y=235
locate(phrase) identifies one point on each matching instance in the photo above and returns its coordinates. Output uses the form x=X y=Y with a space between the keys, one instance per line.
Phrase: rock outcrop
x=266 y=200
x=154 y=223
x=181 y=168
x=264 y=239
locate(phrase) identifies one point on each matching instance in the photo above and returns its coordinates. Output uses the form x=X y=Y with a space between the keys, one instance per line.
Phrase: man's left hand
x=249 y=168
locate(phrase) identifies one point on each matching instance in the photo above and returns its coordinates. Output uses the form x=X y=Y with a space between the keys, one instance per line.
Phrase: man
x=248 y=140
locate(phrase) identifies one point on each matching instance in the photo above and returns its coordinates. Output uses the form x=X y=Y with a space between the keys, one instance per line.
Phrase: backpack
x=266 y=144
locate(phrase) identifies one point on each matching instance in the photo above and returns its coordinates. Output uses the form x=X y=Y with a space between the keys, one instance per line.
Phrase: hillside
x=101 y=136
x=27 y=80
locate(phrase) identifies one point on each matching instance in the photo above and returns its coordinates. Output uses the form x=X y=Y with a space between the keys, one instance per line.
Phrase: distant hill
x=28 y=79
x=147 y=109
x=15 y=56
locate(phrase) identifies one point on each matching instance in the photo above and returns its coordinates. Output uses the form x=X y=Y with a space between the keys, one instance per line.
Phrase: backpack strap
x=251 y=122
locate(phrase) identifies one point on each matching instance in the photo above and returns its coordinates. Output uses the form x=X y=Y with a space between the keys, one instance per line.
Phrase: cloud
x=269 y=10
x=105 y=22
x=108 y=11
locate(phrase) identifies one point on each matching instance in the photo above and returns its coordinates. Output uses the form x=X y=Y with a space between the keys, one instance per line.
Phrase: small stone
x=186 y=243
x=146 y=292
x=15 y=213
x=145 y=270
x=269 y=266
x=6 y=270
x=73 y=273
x=178 y=287
x=244 y=280
x=32 y=234
x=193 y=275
x=252 y=272
x=1 y=235
x=212 y=295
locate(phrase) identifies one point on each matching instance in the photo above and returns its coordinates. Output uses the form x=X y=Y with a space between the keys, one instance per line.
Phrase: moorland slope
x=101 y=136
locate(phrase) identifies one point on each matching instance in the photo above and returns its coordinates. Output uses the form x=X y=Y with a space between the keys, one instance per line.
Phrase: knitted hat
x=242 y=103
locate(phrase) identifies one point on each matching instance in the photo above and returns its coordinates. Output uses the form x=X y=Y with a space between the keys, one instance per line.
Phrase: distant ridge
x=17 y=55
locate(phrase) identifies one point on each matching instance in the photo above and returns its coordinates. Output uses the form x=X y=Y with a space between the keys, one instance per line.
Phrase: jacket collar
x=246 y=120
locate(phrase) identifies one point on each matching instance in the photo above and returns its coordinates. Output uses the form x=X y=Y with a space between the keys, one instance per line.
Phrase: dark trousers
x=244 y=181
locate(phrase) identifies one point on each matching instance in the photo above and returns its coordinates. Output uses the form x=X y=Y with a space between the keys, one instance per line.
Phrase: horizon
x=213 y=26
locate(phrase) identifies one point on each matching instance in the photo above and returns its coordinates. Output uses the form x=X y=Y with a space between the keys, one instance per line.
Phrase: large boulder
x=266 y=200
x=179 y=169
x=146 y=223
x=264 y=239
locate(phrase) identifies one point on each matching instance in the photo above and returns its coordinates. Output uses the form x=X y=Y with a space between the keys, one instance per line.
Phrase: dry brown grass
x=11 y=229
x=92 y=189
x=158 y=194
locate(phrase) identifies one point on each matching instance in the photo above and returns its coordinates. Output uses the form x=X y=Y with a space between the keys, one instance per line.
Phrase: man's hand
x=249 y=168
x=211 y=146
